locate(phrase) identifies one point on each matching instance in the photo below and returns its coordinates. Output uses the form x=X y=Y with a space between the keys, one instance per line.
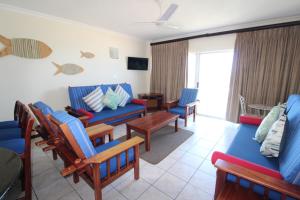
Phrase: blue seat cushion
x=46 y=110
x=188 y=95
x=113 y=161
x=109 y=113
x=10 y=133
x=178 y=111
x=9 y=124
x=16 y=145
x=244 y=147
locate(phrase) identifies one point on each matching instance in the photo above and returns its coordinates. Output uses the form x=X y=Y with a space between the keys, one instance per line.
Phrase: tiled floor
x=186 y=174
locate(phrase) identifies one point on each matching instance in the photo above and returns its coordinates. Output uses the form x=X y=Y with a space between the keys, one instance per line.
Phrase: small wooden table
x=99 y=132
x=150 y=123
x=155 y=100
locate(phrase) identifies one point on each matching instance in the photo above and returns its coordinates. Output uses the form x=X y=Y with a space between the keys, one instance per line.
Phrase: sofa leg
x=220 y=182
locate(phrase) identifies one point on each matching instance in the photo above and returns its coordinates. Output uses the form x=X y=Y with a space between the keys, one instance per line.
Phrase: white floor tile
x=154 y=194
x=166 y=163
x=192 y=160
x=204 y=182
x=182 y=171
x=192 y=193
x=132 y=189
x=151 y=173
x=170 y=185
x=208 y=167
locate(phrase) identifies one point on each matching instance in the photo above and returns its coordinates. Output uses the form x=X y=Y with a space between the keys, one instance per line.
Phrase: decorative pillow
x=123 y=95
x=85 y=113
x=271 y=145
x=94 y=100
x=111 y=99
x=266 y=124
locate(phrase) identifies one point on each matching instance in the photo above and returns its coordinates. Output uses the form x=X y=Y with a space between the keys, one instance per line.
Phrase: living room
x=150 y=99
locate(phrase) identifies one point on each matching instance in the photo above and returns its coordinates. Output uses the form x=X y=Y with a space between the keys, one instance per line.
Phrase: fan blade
x=168 y=13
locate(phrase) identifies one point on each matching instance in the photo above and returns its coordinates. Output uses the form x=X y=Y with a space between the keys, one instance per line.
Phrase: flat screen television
x=135 y=63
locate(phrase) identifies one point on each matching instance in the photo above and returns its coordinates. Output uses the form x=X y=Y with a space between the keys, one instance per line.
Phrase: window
x=210 y=72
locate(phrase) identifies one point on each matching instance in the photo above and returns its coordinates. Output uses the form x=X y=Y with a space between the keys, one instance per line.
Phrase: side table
x=155 y=100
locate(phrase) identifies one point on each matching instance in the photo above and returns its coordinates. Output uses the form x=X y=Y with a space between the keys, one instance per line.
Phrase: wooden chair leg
x=54 y=154
x=137 y=162
x=97 y=186
x=185 y=121
x=75 y=177
x=220 y=182
x=27 y=178
x=194 y=115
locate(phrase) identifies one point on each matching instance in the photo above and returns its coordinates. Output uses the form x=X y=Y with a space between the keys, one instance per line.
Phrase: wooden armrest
x=192 y=104
x=171 y=104
x=83 y=118
x=95 y=130
x=109 y=153
x=275 y=184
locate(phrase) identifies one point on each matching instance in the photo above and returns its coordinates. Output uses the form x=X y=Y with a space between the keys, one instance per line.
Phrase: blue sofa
x=245 y=153
x=133 y=108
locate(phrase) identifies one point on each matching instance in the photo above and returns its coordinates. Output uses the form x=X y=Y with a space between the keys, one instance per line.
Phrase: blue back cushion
x=77 y=93
x=291 y=100
x=289 y=158
x=78 y=131
x=46 y=110
x=188 y=95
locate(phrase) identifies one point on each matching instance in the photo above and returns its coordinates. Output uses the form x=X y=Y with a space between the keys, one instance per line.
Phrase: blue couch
x=133 y=109
x=245 y=152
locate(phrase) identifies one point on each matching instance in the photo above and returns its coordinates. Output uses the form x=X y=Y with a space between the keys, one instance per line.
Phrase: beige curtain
x=169 y=68
x=266 y=68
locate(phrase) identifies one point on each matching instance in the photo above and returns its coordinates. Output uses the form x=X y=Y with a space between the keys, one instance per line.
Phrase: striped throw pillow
x=272 y=144
x=94 y=100
x=123 y=94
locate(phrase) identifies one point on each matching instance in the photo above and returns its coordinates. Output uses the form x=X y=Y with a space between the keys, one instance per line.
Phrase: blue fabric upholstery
x=10 y=133
x=289 y=158
x=178 y=111
x=291 y=100
x=77 y=93
x=46 y=110
x=244 y=147
x=113 y=161
x=108 y=113
x=16 y=145
x=78 y=131
x=122 y=119
x=9 y=124
x=188 y=95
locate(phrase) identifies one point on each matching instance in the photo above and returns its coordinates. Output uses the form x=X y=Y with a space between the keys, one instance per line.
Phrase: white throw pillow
x=94 y=100
x=123 y=94
x=271 y=145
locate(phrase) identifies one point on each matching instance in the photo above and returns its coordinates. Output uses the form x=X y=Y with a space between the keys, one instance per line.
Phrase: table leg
x=128 y=132
x=147 y=142
x=176 y=125
x=111 y=136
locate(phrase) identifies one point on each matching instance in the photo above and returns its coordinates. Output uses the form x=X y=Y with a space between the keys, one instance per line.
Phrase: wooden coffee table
x=151 y=123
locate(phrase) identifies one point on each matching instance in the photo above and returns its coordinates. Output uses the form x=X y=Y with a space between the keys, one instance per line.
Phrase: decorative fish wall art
x=26 y=48
x=88 y=55
x=68 y=69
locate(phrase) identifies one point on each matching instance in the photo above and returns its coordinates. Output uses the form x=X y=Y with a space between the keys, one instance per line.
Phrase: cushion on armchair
x=178 y=111
x=46 y=110
x=10 y=133
x=17 y=145
x=188 y=95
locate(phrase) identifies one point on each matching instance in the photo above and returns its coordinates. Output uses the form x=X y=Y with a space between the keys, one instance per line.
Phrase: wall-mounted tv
x=135 y=63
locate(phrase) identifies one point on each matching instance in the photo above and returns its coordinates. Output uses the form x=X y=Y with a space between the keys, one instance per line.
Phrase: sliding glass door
x=210 y=72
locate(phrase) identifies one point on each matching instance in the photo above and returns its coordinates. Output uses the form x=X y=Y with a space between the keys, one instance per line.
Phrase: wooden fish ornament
x=26 y=48
x=88 y=55
x=68 y=69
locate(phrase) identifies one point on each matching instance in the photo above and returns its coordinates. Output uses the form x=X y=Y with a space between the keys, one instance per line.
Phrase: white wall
x=214 y=43
x=31 y=80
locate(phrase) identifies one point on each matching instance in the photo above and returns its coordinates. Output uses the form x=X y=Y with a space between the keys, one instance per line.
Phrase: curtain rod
x=256 y=28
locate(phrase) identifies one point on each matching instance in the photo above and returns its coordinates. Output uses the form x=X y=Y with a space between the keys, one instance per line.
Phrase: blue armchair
x=186 y=105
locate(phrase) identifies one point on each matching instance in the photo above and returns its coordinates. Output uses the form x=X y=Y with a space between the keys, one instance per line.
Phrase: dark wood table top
x=10 y=169
x=153 y=121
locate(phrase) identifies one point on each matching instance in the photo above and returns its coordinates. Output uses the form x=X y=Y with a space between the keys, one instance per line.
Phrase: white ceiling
x=192 y=15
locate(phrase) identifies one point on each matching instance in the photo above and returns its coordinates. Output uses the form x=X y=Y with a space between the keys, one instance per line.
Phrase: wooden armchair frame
x=228 y=190
x=88 y=168
x=190 y=109
x=27 y=125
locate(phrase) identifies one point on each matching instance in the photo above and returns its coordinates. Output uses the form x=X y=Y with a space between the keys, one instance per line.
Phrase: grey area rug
x=162 y=143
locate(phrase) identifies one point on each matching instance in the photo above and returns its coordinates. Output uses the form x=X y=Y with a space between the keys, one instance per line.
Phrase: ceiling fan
x=162 y=21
